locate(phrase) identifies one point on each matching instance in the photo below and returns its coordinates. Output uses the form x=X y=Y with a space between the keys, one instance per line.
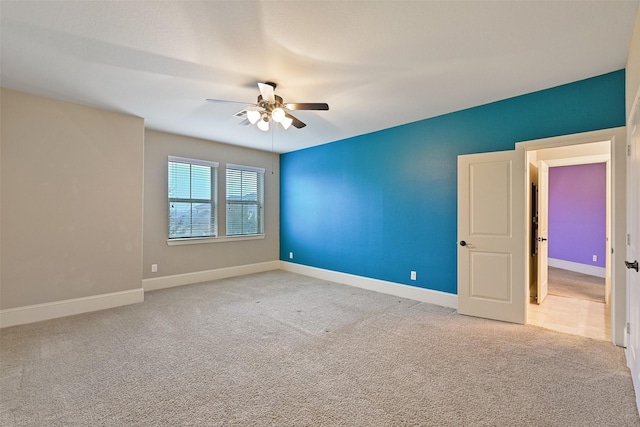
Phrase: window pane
x=179 y=219
x=242 y=219
x=250 y=218
x=200 y=182
x=201 y=220
x=179 y=180
x=234 y=185
x=234 y=221
x=190 y=220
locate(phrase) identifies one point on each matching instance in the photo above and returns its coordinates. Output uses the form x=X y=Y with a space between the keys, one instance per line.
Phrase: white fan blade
x=267 y=92
x=229 y=102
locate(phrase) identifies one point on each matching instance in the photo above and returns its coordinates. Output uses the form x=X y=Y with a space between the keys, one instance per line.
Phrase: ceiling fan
x=271 y=107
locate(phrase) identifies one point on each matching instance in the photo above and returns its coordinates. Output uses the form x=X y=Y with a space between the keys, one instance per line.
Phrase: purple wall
x=577 y=213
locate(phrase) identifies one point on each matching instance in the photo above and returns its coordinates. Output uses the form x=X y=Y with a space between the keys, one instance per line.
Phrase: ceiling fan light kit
x=277 y=114
x=286 y=122
x=253 y=116
x=263 y=124
x=272 y=107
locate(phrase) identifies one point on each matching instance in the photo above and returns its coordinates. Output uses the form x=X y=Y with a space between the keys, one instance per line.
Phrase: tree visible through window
x=192 y=198
x=245 y=199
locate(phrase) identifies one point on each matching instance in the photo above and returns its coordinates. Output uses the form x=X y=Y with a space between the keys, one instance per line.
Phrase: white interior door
x=633 y=248
x=491 y=236
x=543 y=230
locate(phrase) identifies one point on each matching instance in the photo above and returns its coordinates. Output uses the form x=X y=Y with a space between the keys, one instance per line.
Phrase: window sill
x=221 y=239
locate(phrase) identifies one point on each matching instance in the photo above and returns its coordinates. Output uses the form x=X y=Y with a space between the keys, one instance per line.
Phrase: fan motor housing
x=270 y=106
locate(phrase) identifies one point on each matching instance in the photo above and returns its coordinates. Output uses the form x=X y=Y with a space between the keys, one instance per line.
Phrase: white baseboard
x=591 y=270
x=397 y=289
x=207 y=275
x=52 y=310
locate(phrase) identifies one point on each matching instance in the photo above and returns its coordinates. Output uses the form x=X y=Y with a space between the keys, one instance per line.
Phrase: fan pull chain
x=273 y=129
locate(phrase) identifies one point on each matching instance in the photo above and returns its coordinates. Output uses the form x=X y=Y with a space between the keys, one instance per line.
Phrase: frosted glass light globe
x=253 y=116
x=278 y=114
x=263 y=125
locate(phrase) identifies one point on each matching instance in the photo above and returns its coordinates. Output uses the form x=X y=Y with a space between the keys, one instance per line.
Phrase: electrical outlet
x=595 y=258
x=290 y=255
x=154 y=268
x=414 y=275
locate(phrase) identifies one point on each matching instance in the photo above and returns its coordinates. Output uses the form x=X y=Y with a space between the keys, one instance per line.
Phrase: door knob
x=463 y=243
x=542 y=239
x=632 y=265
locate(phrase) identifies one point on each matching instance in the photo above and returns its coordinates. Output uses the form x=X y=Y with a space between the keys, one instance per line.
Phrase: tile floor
x=572 y=316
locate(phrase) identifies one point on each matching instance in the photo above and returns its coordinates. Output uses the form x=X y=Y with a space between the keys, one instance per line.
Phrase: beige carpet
x=279 y=349
x=571 y=284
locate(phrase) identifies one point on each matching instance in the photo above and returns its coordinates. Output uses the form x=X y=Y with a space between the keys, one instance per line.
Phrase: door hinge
x=629 y=150
x=628 y=328
x=628 y=239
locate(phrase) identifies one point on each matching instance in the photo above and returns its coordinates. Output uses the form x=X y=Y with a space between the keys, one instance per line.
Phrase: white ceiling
x=378 y=64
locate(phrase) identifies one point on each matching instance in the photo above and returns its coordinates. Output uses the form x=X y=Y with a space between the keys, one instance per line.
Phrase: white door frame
x=542 y=276
x=618 y=161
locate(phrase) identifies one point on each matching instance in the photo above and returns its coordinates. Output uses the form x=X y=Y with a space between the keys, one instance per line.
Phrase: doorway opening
x=575 y=301
x=569 y=291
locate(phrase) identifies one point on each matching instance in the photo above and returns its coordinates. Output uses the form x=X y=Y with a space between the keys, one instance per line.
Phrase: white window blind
x=245 y=200
x=192 y=198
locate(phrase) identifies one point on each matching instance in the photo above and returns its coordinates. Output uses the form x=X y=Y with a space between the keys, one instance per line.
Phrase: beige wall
x=71 y=200
x=632 y=70
x=173 y=260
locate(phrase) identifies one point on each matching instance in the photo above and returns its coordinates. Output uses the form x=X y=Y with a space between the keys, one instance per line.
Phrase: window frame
x=259 y=203
x=214 y=198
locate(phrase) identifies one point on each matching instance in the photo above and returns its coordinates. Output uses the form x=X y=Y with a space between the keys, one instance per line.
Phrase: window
x=192 y=198
x=245 y=199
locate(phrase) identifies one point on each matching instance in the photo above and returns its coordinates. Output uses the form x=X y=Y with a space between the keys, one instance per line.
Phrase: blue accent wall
x=382 y=204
